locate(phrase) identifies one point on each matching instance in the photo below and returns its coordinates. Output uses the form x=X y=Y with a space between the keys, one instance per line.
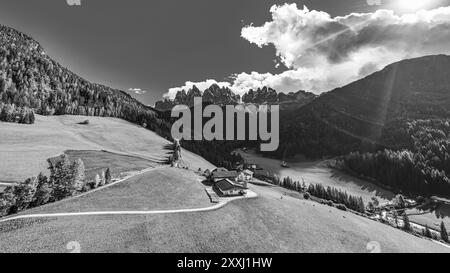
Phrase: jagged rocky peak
x=214 y=94
x=261 y=95
x=225 y=96
x=220 y=95
x=270 y=96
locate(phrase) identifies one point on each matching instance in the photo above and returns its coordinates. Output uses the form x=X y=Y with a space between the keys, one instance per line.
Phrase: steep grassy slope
x=265 y=224
x=24 y=149
x=160 y=189
x=96 y=162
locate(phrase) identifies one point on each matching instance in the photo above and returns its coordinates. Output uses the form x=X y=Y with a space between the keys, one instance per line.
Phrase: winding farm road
x=222 y=203
x=137 y=212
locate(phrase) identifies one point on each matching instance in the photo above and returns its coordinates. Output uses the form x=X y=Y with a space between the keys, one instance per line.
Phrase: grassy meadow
x=266 y=224
x=24 y=149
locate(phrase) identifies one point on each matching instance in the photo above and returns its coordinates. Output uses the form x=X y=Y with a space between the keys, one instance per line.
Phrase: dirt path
x=221 y=204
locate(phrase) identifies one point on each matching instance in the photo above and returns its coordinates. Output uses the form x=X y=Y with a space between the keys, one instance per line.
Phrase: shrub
x=341 y=207
x=43 y=193
x=306 y=195
x=7 y=201
x=25 y=192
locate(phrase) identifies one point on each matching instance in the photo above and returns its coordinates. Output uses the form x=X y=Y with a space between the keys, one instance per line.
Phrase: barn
x=226 y=187
x=220 y=174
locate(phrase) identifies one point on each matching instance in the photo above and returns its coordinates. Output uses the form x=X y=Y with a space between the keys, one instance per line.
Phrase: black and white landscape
x=363 y=163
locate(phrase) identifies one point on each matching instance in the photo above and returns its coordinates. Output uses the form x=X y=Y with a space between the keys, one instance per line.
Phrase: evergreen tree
x=78 y=175
x=444 y=234
x=406 y=223
x=108 y=176
x=427 y=232
x=7 y=201
x=43 y=191
x=361 y=206
x=24 y=193
x=400 y=201
x=395 y=214
x=61 y=177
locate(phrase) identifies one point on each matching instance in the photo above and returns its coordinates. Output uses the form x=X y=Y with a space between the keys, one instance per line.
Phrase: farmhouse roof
x=225 y=174
x=226 y=185
x=220 y=170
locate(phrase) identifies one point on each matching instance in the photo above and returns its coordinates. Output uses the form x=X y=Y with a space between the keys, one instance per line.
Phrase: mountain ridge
x=30 y=79
x=363 y=115
x=225 y=96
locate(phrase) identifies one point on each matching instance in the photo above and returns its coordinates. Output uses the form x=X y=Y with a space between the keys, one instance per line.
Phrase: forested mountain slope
x=30 y=79
x=370 y=113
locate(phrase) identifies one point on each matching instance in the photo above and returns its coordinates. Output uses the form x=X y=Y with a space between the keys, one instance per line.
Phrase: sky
x=154 y=48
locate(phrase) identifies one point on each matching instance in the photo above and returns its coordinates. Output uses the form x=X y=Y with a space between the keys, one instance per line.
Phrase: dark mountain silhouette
x=288 y=101
x=370 y=113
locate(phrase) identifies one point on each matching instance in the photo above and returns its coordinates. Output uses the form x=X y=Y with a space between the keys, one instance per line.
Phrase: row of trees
x=422 y=170
x=66 y=179
x=426 y=232
x=318 y=190
x=337 y=196
x=12 y=113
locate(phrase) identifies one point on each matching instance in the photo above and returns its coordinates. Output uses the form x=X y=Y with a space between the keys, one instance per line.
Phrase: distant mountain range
x=225 y=96
x=214 y=94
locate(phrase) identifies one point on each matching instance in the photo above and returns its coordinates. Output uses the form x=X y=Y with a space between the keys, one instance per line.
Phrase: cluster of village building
x=223 y=181
x=229 y=183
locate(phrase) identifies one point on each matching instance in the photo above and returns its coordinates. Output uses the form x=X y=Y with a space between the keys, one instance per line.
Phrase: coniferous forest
x=421 y=168
x=31 y=80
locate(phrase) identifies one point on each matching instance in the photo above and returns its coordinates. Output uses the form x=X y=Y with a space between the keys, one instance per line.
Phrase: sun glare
x=413 y=5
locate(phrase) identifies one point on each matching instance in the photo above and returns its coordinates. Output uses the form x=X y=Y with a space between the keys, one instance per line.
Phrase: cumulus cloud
x=73 y=2
x=137 y=91
x=322 y=52
x=202 y=86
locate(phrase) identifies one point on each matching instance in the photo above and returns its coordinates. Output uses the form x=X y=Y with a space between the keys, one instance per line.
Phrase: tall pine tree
x=406 y=223
x=444 y=234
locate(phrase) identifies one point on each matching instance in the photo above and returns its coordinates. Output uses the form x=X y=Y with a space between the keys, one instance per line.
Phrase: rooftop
x=225 y=174
x=225 y=185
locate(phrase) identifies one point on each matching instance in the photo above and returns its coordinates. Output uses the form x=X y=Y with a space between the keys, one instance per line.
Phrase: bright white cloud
x=323 y=52
x=137 y=91
x=202 y=86
x=73 y=2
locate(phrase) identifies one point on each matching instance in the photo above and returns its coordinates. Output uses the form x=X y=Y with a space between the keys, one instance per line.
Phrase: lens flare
x=413 y=5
